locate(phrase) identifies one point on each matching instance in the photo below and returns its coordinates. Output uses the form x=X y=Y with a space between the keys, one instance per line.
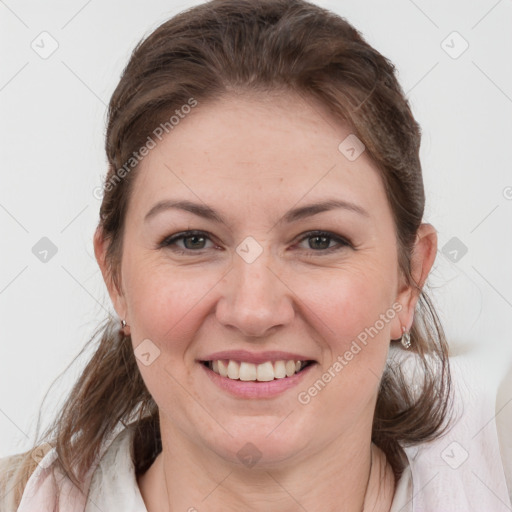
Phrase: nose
x=255 y=299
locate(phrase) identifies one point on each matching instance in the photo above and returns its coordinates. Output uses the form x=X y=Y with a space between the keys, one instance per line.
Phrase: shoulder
x=34 y=481
x=470 y=466
x=15 y=472
x=9 y=467
x=504 y=425
x=114 y=483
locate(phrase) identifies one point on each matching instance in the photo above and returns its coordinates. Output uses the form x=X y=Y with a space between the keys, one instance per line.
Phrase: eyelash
x=171 y=240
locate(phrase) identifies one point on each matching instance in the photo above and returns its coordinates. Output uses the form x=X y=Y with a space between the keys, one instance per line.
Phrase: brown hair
x=213 y=50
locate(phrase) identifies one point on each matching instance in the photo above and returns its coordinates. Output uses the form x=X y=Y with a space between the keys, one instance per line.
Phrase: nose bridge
x=254 y=300
x=254 y=277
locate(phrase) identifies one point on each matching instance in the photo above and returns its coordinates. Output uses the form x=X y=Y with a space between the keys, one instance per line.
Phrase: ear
x=423 y=257
x=100 y=251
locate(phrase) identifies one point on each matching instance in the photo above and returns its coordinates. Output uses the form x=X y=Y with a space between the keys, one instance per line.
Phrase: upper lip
x=255 y=357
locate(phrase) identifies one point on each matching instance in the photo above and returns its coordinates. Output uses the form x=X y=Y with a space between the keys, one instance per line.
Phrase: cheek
x=345 y=308
x=348 y=301
x=165 y=303
x=166 y=307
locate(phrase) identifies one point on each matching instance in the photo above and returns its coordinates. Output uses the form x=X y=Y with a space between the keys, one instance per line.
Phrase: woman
x=261 y=239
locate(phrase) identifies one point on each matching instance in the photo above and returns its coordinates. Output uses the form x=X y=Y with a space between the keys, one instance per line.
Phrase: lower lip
x=251 y=389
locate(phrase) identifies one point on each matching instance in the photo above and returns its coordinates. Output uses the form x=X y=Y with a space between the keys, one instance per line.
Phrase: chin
x=265 y=443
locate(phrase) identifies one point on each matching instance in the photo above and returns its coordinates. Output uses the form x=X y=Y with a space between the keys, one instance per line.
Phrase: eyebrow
x=205 y=211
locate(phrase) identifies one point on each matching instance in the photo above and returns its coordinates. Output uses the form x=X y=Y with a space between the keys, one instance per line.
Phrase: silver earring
x=406 y=338
x=121 y=330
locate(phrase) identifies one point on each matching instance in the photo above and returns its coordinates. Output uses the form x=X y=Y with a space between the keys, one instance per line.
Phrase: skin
x=252 y=158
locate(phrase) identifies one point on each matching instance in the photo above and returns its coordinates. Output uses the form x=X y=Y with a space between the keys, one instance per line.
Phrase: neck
x=381 y=485
x=345 y=476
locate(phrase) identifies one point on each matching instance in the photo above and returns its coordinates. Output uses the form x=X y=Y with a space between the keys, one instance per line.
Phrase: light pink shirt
x=470 y=469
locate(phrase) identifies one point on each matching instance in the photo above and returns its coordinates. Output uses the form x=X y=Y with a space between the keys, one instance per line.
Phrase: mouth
x=250 y=372
x=264 y=380
x=246 y=374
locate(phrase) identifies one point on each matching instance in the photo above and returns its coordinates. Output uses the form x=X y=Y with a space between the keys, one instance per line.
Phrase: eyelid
x=342 y=241
x=171 y=239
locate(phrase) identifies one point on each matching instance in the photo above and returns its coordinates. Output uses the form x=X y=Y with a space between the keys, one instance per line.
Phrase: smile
x=250 y=380
x=263 y=372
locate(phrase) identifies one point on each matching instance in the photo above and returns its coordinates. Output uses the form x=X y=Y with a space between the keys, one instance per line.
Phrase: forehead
x=242 y=150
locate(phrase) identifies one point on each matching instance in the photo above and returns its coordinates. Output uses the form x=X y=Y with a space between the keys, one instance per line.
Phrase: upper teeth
x=261 y=372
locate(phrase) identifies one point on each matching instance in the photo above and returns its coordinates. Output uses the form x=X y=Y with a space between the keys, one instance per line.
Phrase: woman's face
x=259 y=282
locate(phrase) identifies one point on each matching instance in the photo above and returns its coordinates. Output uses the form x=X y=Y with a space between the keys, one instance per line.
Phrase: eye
x=320 y=241
x=193 y=240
